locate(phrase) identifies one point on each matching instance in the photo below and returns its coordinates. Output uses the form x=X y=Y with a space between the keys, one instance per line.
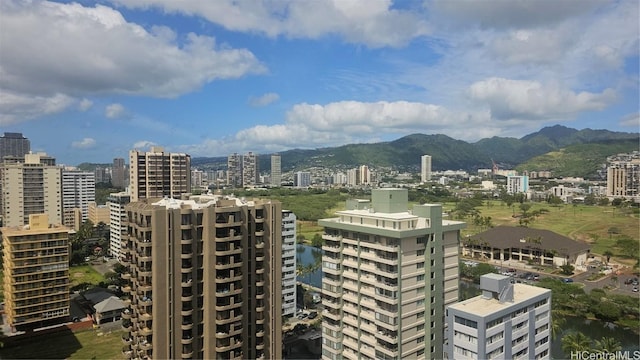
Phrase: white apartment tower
x=117 y=222
x=388 y=273
x=276 y=170
x=30 y=186
x=302 y=179
x=425 y=168
x=517 y=184
x=78 y=190
x=288 y=263
x=508 y=321
x=157 y=174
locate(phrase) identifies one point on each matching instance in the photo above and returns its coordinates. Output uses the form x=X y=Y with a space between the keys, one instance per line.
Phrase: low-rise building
x=508 y=321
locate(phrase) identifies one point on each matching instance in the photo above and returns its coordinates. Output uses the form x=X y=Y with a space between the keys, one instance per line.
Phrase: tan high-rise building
x=99 y=214
x=388 y=273
x=31 y=185
x=276 y=170
x=157 y=174
x=36 y=274
x=205 y=279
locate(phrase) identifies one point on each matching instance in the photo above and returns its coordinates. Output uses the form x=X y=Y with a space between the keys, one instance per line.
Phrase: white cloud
x=127 y=59
x=531 y=100
x=508 y=14
x=373 y=23
x=334 y=124
x=16 y=107
x=85 y=104
x=632 y=121
x=263 y=100
x=114 y=111
x=85 y=143
x=143 y=144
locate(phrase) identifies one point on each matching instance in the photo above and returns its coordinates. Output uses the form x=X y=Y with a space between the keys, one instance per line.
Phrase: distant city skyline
x=207 y=80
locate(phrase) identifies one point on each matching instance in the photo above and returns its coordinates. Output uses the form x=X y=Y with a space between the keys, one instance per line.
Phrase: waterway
x=594 y=329
x=309 y=255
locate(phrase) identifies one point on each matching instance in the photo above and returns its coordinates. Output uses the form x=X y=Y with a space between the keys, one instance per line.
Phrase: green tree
x=556 y=324
x=575 y=342
x=608 y=344
x=608 y=254
x=567 y=269
x=316 y=241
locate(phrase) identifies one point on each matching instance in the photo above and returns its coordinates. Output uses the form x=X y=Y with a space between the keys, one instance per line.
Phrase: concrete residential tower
x=156 y=174
x=288 y=263
x=388 y=274
x=508 y=321
x=78 y=190
x=31 y=186
x=425 y=168
x=205 y=279
x=36 y=274
x=276 y=170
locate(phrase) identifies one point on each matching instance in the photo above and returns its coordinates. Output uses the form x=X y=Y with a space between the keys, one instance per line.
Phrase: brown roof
x=505 y=237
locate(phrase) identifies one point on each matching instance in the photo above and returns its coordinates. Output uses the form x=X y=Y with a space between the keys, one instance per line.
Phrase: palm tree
x=556 y=324
x=608 y=344
x=575 y=342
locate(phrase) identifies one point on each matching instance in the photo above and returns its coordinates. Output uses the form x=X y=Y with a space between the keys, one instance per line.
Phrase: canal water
x=594 y=329
x=309 y=255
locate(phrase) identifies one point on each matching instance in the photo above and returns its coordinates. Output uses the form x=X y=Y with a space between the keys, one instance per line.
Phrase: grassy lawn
x=583 y=223
x=308 y=229
x=84 y=274
x=88 y=344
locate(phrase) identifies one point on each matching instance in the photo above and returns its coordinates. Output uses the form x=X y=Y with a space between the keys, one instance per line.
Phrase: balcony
x=146 y=331
x=126 y=339
x=125 y=276
x=146 y=316
x=126 y=314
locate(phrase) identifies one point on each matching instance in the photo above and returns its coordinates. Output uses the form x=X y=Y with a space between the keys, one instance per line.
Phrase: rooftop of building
x=506 y=237
x=482 y=306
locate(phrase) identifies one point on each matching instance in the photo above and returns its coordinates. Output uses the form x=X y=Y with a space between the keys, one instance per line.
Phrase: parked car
x=313 y=315
x=635 y=289
x=302 y=316
x=568 y=280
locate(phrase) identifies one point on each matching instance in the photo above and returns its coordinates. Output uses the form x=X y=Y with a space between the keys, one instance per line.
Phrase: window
x=420 y=315
x=493 y=323
x=420 y=265
x=420 y=252
x=420 y=339
x=420 y=327
x=495 y=353
x=420 y=277
x=420 y=353
x=495 y=338
x=420 y=291
x=467 y=322
x=421 y=240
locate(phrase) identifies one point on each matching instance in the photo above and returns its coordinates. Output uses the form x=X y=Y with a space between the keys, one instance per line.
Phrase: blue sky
x=89 y=80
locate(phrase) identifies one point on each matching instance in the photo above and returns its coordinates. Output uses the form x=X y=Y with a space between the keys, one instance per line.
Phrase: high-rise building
x=118 y=173
x=365 y=175
x=99 y=214
x=101 y=175
x=211 y=270
x=78 y=190
x=250 y=172
x=425 y=168
x=388 y=274
x=157 y=174
x=14 y=144
x=288 y=263
x=508 y=321
x=623 y=176
x=31 y=186
x=517 y=184
x=117 y=222
x=302 y=179
x=36 y=274
x=276 y=170
x=234 y=170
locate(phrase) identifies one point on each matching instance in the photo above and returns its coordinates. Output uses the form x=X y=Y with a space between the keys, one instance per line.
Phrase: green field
x=88 y=344
x=589 y=224
x=84 y=274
